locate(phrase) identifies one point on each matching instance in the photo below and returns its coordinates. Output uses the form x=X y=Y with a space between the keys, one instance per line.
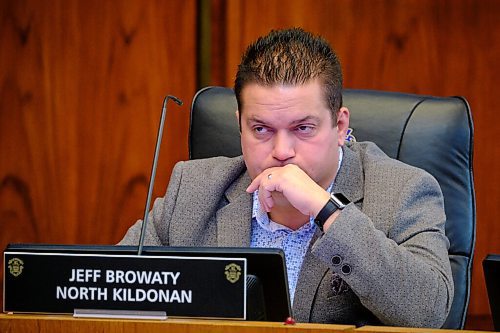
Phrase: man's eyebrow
x=310 y=118
x=305 y=119
x=254 y=119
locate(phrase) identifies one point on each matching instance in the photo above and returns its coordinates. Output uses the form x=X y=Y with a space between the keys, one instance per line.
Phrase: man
x=375 y=252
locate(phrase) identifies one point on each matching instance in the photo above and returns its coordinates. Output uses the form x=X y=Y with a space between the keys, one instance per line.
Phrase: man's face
x=283 y=125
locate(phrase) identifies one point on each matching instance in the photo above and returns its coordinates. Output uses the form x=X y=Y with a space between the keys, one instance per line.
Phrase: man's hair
x=291 y=57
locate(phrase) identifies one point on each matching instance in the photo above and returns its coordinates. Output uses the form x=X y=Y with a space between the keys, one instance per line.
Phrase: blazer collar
x=350 y=178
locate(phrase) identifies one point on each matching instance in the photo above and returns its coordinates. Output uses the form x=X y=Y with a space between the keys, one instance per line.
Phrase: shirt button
x=336 y=260
x=346 y=269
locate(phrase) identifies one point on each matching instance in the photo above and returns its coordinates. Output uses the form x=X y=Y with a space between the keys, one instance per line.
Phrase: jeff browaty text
x=138 y=292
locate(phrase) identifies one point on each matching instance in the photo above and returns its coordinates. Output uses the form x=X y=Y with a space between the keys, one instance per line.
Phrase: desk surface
x=61 y=323
x=66 y=323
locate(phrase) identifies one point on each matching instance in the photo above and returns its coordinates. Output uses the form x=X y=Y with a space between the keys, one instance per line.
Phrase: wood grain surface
x=29 y=323
x=81 y=90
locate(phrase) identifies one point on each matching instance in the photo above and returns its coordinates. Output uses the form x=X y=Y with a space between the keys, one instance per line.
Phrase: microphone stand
x=153 y=169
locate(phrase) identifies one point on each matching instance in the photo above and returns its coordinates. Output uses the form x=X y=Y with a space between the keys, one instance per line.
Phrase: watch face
x=340 y=200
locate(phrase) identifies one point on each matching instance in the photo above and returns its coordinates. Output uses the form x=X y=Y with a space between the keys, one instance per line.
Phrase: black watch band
x=336 y=201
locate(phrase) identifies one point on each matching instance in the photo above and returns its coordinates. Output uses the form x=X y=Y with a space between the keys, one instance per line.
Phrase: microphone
x=153 y=169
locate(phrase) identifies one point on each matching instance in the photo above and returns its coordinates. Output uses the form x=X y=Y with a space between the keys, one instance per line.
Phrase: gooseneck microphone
x=153 y=169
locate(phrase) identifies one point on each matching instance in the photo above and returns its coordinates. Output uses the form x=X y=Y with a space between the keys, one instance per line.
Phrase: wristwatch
x=336 y=201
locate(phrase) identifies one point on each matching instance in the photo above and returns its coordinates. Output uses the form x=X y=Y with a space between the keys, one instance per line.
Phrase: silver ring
x=269 y=176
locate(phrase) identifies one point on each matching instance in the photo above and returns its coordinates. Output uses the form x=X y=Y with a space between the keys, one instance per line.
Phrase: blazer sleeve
x=157 y=230
x=400 y=272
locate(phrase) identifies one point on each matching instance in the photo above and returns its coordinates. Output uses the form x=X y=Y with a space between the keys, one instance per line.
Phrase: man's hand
x=293 y=184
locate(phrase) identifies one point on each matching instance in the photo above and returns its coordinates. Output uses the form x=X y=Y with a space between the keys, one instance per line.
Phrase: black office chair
x=432 y=133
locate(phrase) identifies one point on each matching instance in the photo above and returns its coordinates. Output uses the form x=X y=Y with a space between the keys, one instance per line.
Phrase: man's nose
x=284 y=146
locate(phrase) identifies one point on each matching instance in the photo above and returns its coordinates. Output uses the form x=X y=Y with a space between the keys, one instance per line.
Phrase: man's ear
x=237 y=113
x=342 y=124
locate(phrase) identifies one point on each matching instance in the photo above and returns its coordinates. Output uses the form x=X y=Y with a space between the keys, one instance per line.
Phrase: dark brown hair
x=291 y=57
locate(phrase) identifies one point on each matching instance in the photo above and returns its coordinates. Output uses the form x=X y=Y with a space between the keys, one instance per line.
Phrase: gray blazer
x=383 y=260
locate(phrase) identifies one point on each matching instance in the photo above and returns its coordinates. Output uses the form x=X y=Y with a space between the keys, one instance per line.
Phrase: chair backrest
x=432 y=133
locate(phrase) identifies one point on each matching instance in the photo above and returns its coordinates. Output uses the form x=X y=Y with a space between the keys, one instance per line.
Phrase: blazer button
x=346 y=269
x=336 y=260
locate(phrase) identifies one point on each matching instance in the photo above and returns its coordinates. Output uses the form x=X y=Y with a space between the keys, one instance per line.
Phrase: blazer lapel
x=350 y=182
x=234 y=219
x=312 y=272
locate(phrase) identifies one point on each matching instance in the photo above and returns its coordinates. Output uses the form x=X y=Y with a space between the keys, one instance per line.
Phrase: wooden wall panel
x=437 y=47
x=81 y=88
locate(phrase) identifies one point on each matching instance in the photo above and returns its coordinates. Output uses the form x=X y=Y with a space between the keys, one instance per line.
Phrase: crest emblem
x=233 y=272
x=16 y=266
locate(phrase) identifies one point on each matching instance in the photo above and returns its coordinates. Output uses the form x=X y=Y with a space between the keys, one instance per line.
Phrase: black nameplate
x=206 y=287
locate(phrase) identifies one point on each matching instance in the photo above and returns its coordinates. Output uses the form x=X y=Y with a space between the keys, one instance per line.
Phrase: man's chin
x=280 y=200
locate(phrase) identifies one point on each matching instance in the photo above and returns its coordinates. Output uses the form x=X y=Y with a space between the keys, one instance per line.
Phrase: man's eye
x=305 y=129
x=260 y=129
